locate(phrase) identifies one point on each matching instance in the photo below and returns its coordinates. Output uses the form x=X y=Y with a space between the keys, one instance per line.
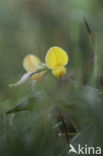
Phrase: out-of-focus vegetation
x=44 y=117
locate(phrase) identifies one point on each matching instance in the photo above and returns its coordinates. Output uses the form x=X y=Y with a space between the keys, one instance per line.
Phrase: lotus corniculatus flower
x=56 y=59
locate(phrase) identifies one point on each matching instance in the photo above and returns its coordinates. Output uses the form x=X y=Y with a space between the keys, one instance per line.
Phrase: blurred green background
x=45 y=114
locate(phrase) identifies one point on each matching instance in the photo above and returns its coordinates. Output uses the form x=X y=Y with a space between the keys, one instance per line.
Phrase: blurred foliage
x=42 y=118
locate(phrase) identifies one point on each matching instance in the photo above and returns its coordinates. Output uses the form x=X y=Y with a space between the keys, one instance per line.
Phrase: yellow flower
x=56 y=59
x=35 y=70
x=32 y=63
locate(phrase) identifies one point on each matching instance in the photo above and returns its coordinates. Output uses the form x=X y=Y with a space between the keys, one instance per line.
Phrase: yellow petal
x=59 y=71
x=31 y=63
x=56 y=57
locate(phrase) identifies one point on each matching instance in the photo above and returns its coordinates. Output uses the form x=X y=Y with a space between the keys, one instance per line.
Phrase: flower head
x=56 y=59
x=31 y=63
